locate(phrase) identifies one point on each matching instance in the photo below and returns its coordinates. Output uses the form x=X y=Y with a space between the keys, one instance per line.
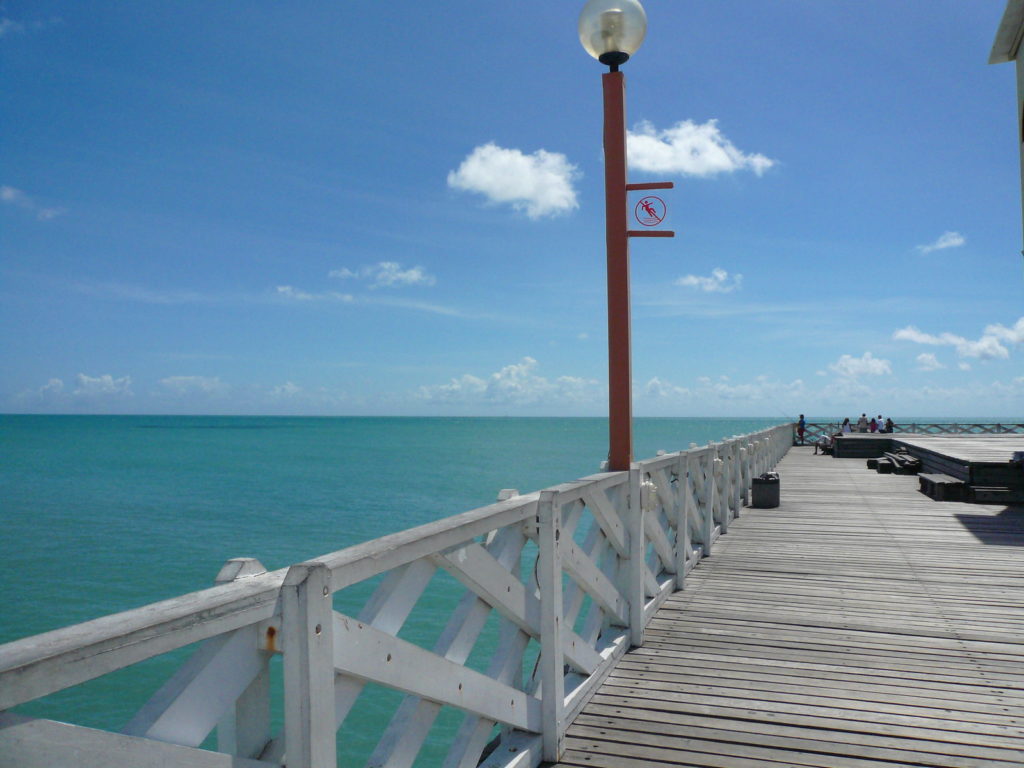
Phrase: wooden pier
x=859 y=624
x=649 y=617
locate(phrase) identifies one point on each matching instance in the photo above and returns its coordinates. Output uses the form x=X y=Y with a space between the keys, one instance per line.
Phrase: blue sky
x=365 y=208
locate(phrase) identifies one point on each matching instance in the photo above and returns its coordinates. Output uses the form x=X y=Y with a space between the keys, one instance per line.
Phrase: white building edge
x=1007 y=48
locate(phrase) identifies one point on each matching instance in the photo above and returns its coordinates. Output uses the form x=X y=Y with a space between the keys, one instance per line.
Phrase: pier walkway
x=859 y=624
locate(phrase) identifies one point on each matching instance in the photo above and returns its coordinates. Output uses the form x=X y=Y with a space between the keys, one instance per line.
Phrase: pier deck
x=858 y=624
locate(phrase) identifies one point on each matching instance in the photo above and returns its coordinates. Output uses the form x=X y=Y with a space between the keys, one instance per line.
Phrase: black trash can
x=764 y=493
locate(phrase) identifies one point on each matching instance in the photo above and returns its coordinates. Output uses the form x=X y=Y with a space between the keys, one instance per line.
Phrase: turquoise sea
x=105 y=513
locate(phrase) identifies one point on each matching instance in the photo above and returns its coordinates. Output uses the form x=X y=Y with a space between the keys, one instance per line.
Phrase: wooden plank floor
x=967 y=448
x=860 y=624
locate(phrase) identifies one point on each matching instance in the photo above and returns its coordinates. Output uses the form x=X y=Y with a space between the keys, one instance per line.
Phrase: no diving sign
x=650 y=211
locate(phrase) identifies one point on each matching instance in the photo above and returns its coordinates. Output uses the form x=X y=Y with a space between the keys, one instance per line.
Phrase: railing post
x=707 y=500
x=683 y=547
x=549 y=577
x=245 y=730
x=636 y=565
x=307 y=627
x=717 y=470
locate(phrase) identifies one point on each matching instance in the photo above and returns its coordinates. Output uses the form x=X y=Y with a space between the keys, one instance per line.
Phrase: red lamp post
x=611 y=31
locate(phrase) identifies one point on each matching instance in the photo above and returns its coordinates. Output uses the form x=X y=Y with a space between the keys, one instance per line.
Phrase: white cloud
x=689 y=149
x=286 y=390
x=1014 y=335
x=963 y=366
x=386 y=274
x=989 y=346
x=17 y=198
x=865 y=365
x=102 y=386
x=660 y=388
x=946 y=240
x=291 y=292
x=760 y=389
x=188 y=385
x=515 y=384
x=927 y=361
x=10 y=26
x=52 y=387
x=718 y=282
x=539 y=184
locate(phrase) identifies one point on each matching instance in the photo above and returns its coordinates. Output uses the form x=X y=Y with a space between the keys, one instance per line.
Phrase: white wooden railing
x=574 y=572
x=818 y=429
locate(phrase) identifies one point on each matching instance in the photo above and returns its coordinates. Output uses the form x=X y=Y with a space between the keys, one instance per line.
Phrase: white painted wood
x=245 y=728
x=614 y=648
x=576 y=563
x=606 y=516
x=681 y=510
x=374 y=656
x=549 y=574
x=403 y=737
x=188 y=706
x=39 y=665
x=662 y=546
x=481 y=573
x=719 y=512
x=520 y=750
x=474 y=732
x=308 y=631
x=636 y=568
x=387 y=609
x=26 y=742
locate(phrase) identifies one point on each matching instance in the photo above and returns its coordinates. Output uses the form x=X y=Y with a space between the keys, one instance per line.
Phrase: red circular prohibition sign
x=650 y=211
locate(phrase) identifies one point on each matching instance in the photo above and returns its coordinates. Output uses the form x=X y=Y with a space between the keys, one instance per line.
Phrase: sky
x=321 y=207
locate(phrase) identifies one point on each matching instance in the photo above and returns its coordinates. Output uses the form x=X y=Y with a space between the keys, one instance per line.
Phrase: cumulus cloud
x=102 y=386
x=927 y=361
x=539 y=184
x=386 y=274
x=19 y=199
x=946 y=240
x=990 y=346
x=865 y=365
x=1012 y=335
x=660 y=388
x=515 y=384
x=689 y=149
x=718 y=282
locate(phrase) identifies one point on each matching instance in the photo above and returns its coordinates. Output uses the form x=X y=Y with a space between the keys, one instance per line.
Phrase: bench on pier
x=898 y=463
x=942 y=487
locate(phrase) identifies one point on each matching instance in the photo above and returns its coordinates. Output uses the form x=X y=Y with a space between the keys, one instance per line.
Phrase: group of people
x=865 y=425
x=874 y=425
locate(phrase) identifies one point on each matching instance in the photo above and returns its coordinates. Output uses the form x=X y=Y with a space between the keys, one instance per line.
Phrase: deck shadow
x=1003 y=529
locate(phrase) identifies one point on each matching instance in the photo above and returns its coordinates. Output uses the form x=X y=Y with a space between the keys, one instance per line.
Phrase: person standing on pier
x=801 y=427
x=846 y=428
x=862 y=423
x=873 y=426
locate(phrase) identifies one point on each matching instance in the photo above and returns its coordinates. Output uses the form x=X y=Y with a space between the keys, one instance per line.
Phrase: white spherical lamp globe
x=611 y=30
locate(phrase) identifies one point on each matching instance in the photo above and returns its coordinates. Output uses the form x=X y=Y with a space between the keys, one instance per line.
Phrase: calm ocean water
x=103 y=513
